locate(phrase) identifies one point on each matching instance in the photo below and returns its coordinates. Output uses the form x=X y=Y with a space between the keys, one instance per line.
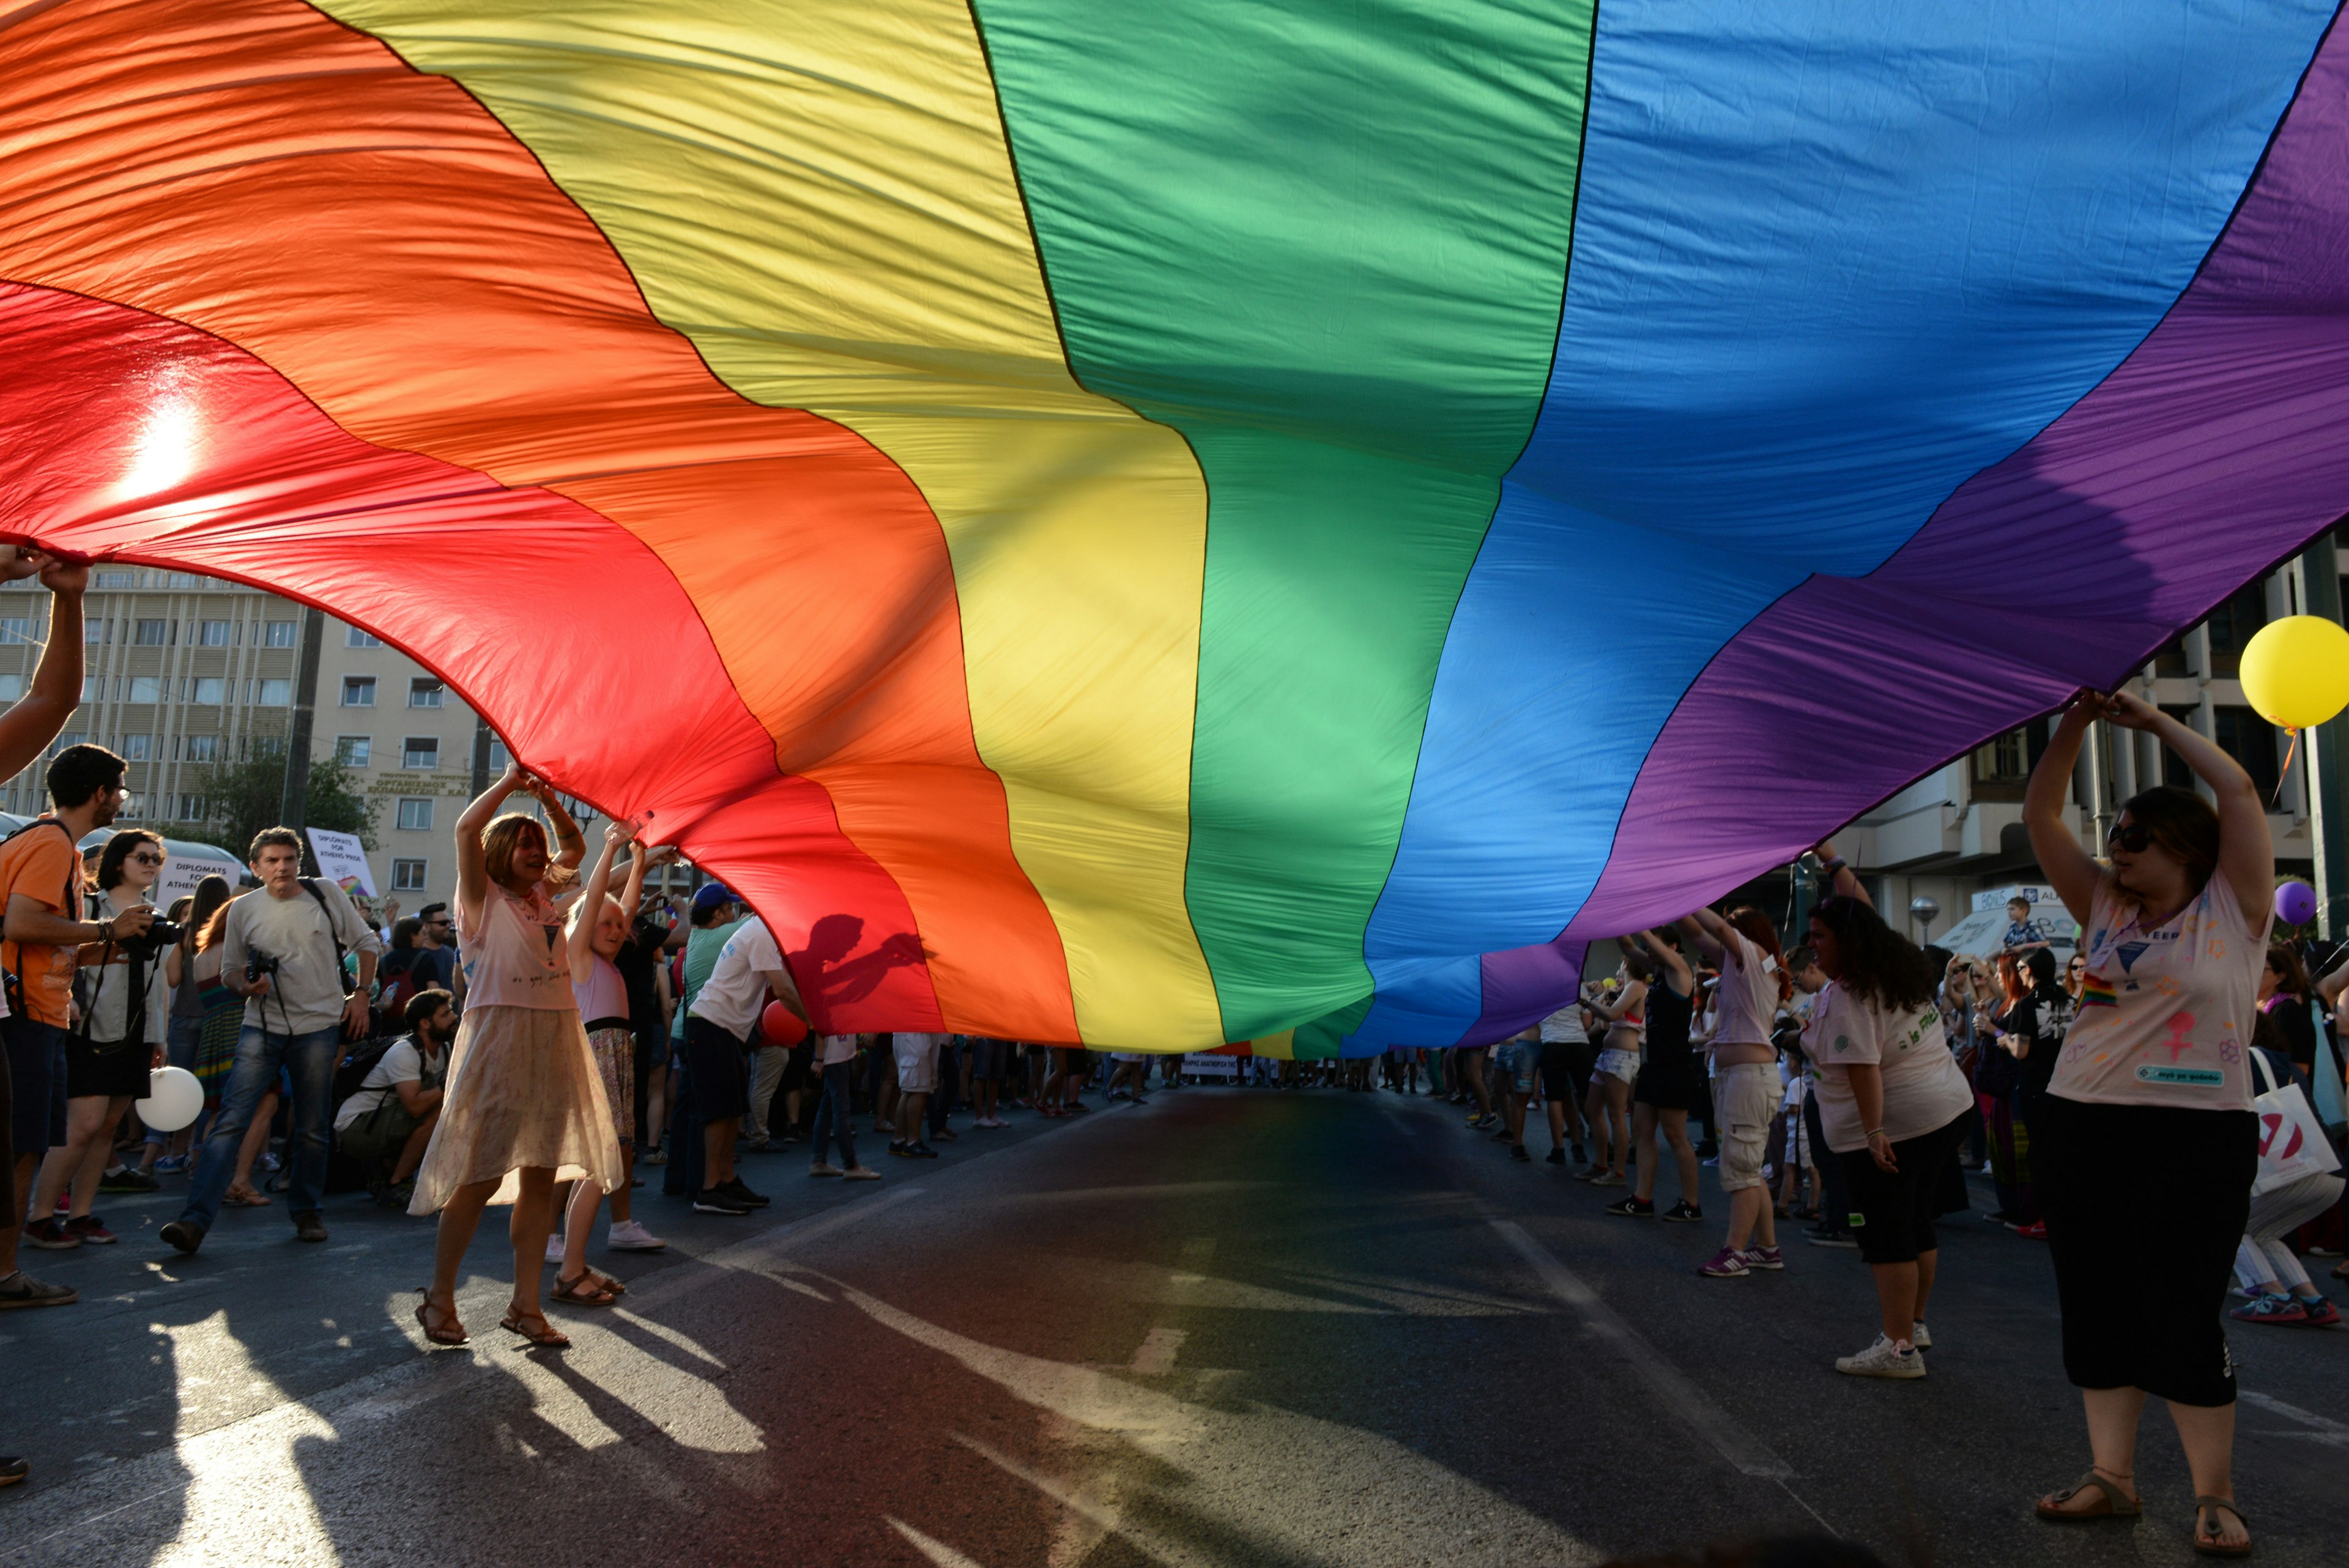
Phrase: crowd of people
x=556 y=1030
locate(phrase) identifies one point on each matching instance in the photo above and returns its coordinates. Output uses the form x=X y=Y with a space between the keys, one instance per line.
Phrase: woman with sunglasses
x=2076 y=975
x=2149 y=1144
x=120 y=1036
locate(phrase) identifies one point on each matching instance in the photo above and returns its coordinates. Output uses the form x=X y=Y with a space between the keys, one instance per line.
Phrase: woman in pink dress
x=525 y=1104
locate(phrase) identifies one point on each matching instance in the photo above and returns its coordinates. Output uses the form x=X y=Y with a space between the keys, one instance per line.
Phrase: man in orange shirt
x=42 y=938
x=27 y=727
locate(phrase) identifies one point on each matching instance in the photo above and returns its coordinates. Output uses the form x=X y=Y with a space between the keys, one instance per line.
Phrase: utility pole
x=2328 y=814
x=481 y=739
x=294 y=803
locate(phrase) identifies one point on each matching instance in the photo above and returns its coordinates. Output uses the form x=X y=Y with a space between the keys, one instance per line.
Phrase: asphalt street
x=1232 y=1327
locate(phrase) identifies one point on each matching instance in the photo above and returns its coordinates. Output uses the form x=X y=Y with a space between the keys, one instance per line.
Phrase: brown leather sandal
x=2207 y=1543
x=607 y=1284
x=2114 y=1504
x=582 y=1290
x=545 y=1335
x=450 y=1332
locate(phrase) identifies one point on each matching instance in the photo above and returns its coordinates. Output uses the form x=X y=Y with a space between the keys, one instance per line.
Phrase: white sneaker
x=1920 y=1336
x=1884 y=1359
x=628 y=1236
x=554 y=1248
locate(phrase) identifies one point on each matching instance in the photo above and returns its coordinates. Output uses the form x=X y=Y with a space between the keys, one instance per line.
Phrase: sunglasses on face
x=148 y=859
x=2135 y=838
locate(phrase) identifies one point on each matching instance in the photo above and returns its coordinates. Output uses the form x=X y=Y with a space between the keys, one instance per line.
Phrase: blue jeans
x=309 y=1060
x=832 y=1111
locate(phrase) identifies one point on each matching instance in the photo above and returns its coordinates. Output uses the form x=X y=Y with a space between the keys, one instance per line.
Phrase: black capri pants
x=1892 y=1211
x=2145 y=1206
x=717 y=1071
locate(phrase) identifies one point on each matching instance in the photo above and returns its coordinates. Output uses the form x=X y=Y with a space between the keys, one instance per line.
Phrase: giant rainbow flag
x=1160 y=522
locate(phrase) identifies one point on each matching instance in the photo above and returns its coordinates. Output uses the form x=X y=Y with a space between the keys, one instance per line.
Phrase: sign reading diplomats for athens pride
x=343 y=859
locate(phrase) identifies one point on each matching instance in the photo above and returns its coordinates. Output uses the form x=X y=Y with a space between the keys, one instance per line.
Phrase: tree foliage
x=241 y=798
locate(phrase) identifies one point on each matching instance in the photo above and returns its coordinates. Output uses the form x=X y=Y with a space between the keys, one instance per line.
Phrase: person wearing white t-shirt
x=1754 y=983
x=917 y=1079
x=396 y=1106
x=2143 y=1163
x=1893 y=1106
x=718 y=1029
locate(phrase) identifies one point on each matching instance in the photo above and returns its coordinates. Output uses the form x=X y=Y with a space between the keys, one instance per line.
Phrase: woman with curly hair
x=1894 y=1108
x=2150 y=1145
x=525 y=1105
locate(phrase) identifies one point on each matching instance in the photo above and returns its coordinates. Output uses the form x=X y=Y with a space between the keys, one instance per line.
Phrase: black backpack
x=357 y=1061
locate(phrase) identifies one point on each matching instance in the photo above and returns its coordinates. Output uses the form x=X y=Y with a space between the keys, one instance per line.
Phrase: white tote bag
x=2293 y=1144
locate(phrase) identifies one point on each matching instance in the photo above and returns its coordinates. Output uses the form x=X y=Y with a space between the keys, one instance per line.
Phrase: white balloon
x=174 y=1099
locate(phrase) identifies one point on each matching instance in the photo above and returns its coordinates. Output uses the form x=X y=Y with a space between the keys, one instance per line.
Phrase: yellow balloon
x=2296 y=672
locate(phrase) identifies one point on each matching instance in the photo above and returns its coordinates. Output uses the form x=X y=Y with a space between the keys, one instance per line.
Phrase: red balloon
x=781 y=1025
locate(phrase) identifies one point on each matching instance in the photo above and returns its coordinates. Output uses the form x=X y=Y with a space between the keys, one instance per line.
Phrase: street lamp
x=1924 y=911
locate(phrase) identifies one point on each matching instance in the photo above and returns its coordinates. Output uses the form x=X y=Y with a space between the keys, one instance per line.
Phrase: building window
x=96 y=630
x=203 y=748
x=2231 y=625
x=69 y=737
x=210 y=689
x=137 y=748
x=408 y=875
x=134 y=805
x=424 y=692
x=147 y=689
x=421 y=752
x=11 y=688
x=355 y=638
x=191 y=808
x=499 y=758
x=415 y=813
x=114 y=579
x=277 y=634
x=2251 y=740
x=268 y=746
x=2001 y=767
x=152 y=633
x=16 y=628
x=93 y=688
x=276 y=693
x=358 y=691
x=352 y=751
x=212 y=634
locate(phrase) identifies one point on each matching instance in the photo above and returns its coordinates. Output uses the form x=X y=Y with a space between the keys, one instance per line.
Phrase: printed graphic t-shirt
x=1923 y=1089
x=2166 y=1013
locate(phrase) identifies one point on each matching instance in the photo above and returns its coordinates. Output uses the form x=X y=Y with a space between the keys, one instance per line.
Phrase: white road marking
x=1106 y=1519
x=937 y=1551
x=1671 y=1385
x=1156 y=1355
x=2322 y=1431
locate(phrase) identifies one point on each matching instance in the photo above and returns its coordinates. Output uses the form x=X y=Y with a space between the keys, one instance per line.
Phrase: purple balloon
x=2295 y=903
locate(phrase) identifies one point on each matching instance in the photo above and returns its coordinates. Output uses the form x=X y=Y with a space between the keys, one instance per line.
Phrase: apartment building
x=180 y=669
x=183 y=670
